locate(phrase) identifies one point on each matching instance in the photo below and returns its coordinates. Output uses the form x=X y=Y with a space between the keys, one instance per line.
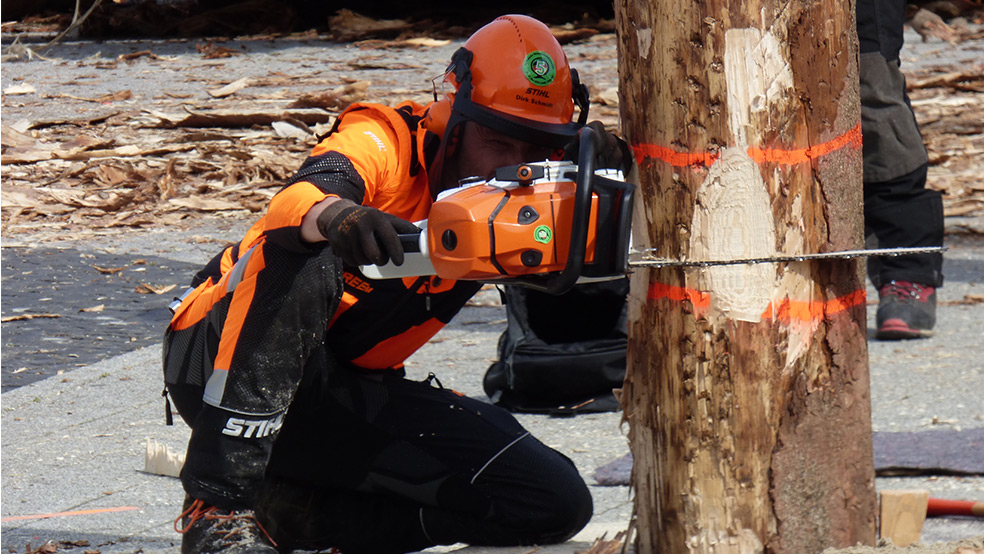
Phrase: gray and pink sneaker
x=905 y=311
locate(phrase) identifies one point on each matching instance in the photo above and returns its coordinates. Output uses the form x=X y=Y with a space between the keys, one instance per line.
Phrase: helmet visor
x=553 y=135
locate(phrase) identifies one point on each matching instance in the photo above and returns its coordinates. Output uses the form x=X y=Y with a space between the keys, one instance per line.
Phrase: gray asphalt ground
x=111 y=318
x=73 y=443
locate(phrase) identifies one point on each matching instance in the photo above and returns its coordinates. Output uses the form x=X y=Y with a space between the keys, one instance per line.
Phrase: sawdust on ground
x=973 y=545
x=168 y=155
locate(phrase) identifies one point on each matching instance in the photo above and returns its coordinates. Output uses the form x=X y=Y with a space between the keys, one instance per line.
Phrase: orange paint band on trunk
x=700 y=300
x=779 y=156
x=811 y=310
x=672 y=157
x=800 y=310
x=803 y=155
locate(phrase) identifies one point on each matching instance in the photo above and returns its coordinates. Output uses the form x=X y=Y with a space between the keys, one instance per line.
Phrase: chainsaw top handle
x=589 y=142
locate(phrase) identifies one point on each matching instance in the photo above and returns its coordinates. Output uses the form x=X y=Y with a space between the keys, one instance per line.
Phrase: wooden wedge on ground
x=902 y=515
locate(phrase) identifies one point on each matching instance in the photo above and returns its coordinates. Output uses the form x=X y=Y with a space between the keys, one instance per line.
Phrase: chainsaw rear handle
x=589 y=142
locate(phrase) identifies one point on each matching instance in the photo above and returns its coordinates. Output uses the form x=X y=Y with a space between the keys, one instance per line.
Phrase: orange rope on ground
x=75 y=513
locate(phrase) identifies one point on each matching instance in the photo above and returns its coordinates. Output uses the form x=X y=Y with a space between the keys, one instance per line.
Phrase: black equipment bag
x=561 y=354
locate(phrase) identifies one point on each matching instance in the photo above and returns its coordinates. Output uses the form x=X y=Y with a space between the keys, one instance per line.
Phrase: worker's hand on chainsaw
x=611 y=151
x=361 y=235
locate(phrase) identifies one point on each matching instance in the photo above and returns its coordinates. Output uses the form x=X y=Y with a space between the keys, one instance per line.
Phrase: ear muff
x=437 y=116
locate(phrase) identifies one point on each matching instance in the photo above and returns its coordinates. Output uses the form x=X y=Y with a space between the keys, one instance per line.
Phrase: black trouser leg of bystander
x=903 y=213
x=899 y=210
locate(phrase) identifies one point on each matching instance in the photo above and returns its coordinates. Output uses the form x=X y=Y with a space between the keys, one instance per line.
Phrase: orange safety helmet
x=513 y=77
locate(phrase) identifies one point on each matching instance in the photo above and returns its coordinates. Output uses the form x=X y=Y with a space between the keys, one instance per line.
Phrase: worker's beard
x=451 y=176
x=445 y=172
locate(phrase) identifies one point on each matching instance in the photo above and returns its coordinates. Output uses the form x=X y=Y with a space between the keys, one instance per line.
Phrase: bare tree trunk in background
x=747 y=390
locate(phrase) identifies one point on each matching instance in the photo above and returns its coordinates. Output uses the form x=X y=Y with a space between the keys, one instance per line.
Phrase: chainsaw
x=548 y=226
x=545 y=225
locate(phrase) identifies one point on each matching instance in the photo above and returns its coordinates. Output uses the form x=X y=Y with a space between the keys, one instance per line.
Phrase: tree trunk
x=747 y=390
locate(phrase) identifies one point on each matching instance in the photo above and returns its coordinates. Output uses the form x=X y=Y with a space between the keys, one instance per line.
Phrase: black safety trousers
x=365 y=461
x=899 y=211
x=379 y=463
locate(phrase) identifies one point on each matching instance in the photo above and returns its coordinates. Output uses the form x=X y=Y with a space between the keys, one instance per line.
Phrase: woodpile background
x=174 y=157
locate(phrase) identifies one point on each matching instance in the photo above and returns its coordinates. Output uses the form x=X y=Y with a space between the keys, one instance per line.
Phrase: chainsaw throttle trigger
x=410 y=242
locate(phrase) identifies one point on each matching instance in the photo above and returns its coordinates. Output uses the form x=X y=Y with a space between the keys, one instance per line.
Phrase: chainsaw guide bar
x=647 y=261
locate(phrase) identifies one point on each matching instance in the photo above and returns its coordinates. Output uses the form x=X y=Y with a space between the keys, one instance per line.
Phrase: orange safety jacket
x=377 y=156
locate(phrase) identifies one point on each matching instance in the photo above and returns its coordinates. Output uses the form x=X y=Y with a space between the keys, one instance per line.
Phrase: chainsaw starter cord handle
x=361 y=235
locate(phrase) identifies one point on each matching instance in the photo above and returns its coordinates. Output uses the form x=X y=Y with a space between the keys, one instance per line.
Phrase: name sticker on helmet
x=539 y=68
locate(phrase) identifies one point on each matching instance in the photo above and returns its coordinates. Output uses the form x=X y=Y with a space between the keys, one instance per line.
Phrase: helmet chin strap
x=581 y=98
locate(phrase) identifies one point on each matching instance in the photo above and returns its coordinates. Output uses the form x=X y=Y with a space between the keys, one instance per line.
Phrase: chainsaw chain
x=647 y=261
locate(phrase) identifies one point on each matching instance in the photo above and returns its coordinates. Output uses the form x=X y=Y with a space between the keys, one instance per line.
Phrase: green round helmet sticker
x=542 y=234
x=539 y=68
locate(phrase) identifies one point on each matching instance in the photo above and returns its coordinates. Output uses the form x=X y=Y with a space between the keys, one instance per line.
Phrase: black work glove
x=611 y=153
x=361 y=235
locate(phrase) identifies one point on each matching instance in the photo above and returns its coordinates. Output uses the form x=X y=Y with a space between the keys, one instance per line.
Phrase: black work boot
x=296 y=516
x=905 y=311
x=329 y=521
x=208 y=529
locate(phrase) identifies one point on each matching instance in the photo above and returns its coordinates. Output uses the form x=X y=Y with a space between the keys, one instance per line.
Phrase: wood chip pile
x=168 y=157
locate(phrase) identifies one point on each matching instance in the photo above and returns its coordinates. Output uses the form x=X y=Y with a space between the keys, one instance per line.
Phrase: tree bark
x=746 y=392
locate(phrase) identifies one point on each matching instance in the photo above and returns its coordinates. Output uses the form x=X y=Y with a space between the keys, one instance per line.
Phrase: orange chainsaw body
x=546 y=226
x=485 y=232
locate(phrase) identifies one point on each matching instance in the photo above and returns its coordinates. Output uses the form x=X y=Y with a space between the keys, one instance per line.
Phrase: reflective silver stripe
x=215 y=387
x=173 y=306
x=424 y=528
x=497 y=454
x=232 y=281
x=236 y=275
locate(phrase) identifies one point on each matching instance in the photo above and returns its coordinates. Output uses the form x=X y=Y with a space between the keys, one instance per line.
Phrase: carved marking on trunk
x=733 y=219
x=758 y=76
x=645 y=38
